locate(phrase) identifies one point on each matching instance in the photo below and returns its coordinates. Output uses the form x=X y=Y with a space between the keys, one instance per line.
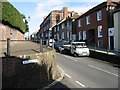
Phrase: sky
x=37 y=9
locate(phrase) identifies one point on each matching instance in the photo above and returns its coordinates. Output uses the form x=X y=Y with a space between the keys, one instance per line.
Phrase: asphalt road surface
x=86 y=72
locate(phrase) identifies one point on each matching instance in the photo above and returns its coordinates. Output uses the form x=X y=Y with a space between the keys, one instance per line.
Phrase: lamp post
x=73 y=27
x=49 y=36
x=28 y=28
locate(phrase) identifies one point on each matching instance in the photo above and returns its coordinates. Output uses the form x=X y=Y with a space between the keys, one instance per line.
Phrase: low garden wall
x=16 y=74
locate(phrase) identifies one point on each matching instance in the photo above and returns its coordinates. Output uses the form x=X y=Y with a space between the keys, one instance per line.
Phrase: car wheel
x=75 y=55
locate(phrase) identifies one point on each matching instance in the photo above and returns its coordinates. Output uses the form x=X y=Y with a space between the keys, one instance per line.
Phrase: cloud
x=43 y=8
x=81 y=9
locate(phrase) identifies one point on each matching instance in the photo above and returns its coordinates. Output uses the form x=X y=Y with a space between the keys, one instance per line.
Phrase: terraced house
x=96 y=25
x=64 y=31
x=53 y=18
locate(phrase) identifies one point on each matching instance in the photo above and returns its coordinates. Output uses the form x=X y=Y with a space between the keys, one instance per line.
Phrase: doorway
x=111 y=42
x=91 y=37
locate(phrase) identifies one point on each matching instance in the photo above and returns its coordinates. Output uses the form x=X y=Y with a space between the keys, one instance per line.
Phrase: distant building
x=64 y=31
x=33 y=36
x=52 y=19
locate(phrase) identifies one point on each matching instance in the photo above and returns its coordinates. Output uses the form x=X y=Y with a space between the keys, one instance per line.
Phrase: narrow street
x=86 y=72
x=37 y=38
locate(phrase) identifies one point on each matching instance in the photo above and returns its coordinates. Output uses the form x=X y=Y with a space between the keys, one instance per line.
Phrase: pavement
x=86 y=72
x=105 y=51
x=22 y=48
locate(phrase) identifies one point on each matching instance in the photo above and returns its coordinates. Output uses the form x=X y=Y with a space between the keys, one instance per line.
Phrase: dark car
x=59 y=47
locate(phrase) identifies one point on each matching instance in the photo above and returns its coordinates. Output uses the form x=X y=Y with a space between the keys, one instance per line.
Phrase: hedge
x=12 y=17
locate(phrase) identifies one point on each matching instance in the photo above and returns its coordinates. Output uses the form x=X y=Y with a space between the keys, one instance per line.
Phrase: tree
x=26 y=22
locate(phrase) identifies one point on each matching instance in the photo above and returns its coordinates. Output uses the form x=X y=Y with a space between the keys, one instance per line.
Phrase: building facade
x=92 y=26
x=117 y=29
x=50 y=21
x=64 y=31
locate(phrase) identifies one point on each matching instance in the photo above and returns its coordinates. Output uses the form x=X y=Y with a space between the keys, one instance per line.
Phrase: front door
x=111 y=42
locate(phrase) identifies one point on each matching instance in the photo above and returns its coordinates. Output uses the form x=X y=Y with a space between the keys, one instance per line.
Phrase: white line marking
x=103 y=70
x=80 y=83
x=70 y=58
x=68 y=75
x=75 y=60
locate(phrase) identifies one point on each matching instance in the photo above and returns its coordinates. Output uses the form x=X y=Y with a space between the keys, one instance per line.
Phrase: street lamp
x=28 y=28
x=49 y=36
x=73 y=27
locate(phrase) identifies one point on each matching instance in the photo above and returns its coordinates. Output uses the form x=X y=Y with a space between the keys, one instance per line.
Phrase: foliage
x=26 y=22
x=12 y=17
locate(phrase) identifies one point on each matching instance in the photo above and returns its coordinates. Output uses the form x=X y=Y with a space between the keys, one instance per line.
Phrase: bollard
x=8 y=46
x=52 y=43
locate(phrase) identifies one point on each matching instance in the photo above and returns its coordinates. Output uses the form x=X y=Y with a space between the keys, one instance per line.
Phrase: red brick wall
x=9 y=66
x=8 y=32
x=94 y=25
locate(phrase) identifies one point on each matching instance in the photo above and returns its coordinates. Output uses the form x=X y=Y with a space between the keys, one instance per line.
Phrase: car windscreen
x=58 y=45
x=80 y=45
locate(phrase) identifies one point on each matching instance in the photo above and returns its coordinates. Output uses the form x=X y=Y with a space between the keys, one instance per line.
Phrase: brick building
x=53 y=18
x=93 y=25
x=63 y=31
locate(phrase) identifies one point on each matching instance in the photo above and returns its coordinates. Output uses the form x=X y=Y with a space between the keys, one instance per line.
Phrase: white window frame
x=68 y=34
x=63 y=25
x=99 y=15
x=74 y=37
x=79 y=23
x=46 y=35
x=88 y=20
x=99 y=43
x=57 y=36
x=63 y=36
x=54 y=29
x=84 y=35
x=42 y=34
x=100 y=34
x=57 y=28
x=67 y=23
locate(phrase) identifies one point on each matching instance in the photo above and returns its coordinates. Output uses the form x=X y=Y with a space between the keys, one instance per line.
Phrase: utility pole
x=8 y=46
x=28 y=29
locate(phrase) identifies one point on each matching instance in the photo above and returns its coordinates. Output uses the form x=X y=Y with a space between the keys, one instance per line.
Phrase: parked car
x=77 y=49
x=58 y=46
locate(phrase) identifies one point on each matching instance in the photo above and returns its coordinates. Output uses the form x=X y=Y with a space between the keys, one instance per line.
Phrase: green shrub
x=12 y=17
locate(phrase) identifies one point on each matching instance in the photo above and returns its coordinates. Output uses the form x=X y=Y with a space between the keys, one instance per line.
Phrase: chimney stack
x=65 y=12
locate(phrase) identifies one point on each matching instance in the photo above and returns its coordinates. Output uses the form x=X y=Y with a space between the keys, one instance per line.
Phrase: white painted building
x=117 y=29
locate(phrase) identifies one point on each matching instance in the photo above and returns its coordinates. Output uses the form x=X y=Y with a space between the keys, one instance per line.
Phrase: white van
x=77 y=49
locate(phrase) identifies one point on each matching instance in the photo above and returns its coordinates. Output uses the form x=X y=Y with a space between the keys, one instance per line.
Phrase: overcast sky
x=37 y=9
